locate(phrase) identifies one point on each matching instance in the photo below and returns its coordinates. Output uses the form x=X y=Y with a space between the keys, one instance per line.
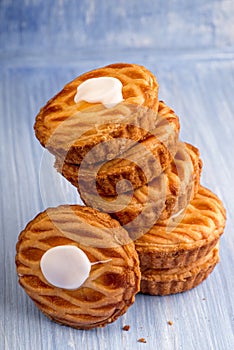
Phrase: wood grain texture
x=198 y=85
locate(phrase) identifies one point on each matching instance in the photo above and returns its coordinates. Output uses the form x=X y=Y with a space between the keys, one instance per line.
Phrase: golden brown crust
x=181 y=241
x=170 y=192
x=139 y=164
x=110 y=287
x=177 y=280
x=70 y=129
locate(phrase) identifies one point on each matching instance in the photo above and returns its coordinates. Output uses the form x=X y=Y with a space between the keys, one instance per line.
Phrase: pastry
x=79 y=117
x=78 y=266
x=180 y=241
x=178 y=279
x=164 y=196
x=139 y=164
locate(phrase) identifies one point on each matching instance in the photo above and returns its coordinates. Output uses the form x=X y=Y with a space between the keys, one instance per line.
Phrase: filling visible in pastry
x=106 y=90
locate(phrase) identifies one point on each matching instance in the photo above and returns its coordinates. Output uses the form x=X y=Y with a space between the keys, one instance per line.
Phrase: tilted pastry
x=71 y=294
x=164 y=196
x=178 y=279
x=70 y=128
x=181 y=241
x=139 y=164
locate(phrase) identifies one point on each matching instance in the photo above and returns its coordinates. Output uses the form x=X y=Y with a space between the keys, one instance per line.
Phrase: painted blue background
x=189 y=45
x=121 y=24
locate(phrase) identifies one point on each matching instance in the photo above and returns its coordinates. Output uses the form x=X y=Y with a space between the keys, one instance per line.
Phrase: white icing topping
x=106 y=90
x=65 y=266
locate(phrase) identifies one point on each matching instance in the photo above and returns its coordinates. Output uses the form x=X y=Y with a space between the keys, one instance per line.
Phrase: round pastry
x=78 y=266
x=116 y=102
x=178 y=279
x=180 y=241
x=138 y=165
x=171 y=192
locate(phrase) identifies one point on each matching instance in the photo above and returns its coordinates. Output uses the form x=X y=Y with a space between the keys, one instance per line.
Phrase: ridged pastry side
x=139 y=164
x=70 y=130
x=110 y=287
x=170 y=192
x=177 y=280
x=181 y=241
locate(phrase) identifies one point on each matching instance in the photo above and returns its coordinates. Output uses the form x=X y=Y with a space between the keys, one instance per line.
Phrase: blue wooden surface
x=190 y=47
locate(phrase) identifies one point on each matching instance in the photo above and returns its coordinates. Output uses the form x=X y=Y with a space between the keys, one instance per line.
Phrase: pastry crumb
x=126 y=327
x=142 y=340
x=170 y=323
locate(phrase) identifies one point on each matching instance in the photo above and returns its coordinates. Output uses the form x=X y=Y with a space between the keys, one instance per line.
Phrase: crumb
x=126 y=327
x=203 y=298
x=141 y=340
x=170 y=323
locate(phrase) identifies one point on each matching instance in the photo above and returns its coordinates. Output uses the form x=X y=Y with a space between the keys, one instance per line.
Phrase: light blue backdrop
x=78 y=24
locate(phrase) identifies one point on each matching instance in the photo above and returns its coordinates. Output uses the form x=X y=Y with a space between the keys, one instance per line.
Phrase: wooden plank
x=189 y=46
x=201 y=92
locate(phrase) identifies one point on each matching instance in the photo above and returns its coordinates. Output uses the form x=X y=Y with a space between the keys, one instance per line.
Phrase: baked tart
x=184 y=239
x=146 y=160
x=164 y=196
x=78 y=266
x=179 y=279
x=112 y=103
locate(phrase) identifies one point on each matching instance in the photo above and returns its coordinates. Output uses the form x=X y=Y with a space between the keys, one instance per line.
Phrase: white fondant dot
x=65 y=266
x=107 y=90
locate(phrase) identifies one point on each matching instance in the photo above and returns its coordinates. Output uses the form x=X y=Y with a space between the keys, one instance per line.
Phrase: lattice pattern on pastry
x=181 y=241
x=204 y=219
x=171 y=191
x=135 y=164
x=70 y=130
x=108 y=291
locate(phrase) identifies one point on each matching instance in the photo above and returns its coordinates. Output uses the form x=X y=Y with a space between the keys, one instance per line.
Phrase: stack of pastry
x=174 y=222
x=119 y=145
